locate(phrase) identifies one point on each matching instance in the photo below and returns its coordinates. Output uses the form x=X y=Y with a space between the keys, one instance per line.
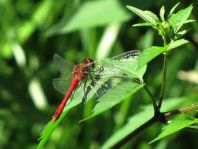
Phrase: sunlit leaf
x=139 y=119
x=148 y=54
x=162 y=12
x=148 y=16
x=173 y=9
x=39 y=16
x=175 y=125
x=92 y=14
x=127 y=87
x=177 y=43
x=142 y=24
x=178 y=19
x=114 y=97
x=181 y=33
x=49 y=128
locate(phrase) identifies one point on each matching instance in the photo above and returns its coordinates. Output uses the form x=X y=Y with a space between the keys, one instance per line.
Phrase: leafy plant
x=169 y=29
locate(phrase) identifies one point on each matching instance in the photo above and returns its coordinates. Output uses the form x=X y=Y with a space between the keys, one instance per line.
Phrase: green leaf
x=137 y=120
x=178 y=19
x=162 y=12
x=49 y=128
x=152 y=15
x=181 y=33
x=113 y=97
x=133 y=123
x=118 y=92
x=148 y=16
x=177 y=43
x=40 y=15
x=142 y=24
x=92 y=14
x=149 y=54
x=128 y=67
x=45 y=134
x=176 y=124
x=173 y=9
x=194 y=127
x=135 y=69
x=187 y=21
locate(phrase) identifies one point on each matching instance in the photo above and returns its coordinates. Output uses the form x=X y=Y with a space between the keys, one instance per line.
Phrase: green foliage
x=180 y=18
x=177 y=43
x=32 y=31
x=167 y=29
x=134 y=69
x=90 y=15
x=121 y=91
x=49 y=128
x=138 y=119
x=175 y=125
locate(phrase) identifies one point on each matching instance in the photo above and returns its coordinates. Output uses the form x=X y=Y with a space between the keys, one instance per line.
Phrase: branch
x=163 y=86
x=155 y=107
x=137 y=131
x=181 y=110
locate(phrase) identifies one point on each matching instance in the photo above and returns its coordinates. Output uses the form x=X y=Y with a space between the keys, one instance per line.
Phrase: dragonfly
x=72 y=75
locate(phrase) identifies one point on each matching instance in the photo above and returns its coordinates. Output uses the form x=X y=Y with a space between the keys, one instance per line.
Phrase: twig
x=137 y=131
x=181 y=110
x=156 y=118
x=155 y=107
x=162 y=91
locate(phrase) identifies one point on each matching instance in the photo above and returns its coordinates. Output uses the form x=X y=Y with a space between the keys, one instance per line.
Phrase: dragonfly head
x=89 y=62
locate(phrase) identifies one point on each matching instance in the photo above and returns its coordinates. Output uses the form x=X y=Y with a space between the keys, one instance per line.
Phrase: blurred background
x=32 y=31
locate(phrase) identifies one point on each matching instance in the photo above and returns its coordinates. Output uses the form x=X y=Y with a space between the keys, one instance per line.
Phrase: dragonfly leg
x=94 y=81
x=89 y=87
x=84 y=89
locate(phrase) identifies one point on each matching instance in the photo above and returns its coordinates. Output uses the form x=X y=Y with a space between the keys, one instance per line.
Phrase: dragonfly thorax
x=88 y=65
x=82 y=70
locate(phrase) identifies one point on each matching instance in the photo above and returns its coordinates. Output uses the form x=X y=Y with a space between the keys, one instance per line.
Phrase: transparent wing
x=104 y=86
x=99 y=87
x=61 y=84
x=64 y=67
x=127 y=55
x=118 y=66
x=110 y=72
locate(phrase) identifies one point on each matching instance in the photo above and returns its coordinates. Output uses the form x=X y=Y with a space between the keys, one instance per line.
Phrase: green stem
x=163 y=86
x=154 y=119
x=155 y=107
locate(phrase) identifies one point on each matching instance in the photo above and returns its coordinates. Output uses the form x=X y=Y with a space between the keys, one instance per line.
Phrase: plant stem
x=163 y=86
x=181 y=110
x=155 y=107
x=134 y=133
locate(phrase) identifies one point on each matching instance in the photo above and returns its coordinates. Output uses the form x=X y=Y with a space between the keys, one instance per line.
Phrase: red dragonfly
x=72 y=75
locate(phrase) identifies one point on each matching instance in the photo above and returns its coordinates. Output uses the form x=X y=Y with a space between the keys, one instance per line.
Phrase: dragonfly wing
x=64 y=67
x=104 y=87
x=111 y=71
x=118 y=65
x=113 y=68
x=127 y=55
x=98 y=88
x=61 y=84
